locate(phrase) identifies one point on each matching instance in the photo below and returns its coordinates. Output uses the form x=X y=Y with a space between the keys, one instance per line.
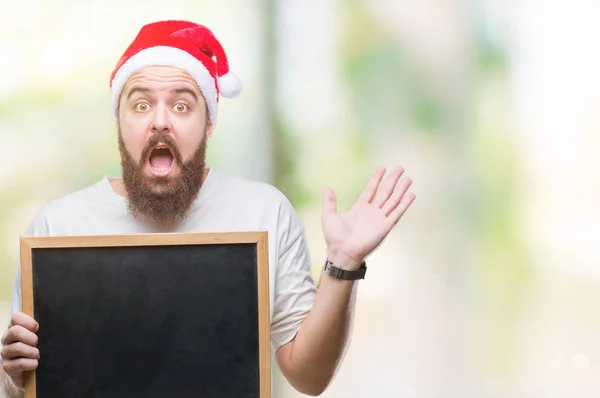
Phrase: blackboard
x=149 y=315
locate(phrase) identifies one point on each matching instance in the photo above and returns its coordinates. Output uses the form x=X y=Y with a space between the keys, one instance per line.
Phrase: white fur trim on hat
x=166 y=56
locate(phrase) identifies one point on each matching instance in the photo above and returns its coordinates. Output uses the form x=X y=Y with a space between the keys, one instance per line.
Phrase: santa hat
x=185 y=45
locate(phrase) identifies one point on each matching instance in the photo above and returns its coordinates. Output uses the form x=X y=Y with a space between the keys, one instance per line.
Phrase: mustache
x=165 y=139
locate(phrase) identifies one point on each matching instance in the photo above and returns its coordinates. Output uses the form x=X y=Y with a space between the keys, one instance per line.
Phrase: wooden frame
x=28 y=244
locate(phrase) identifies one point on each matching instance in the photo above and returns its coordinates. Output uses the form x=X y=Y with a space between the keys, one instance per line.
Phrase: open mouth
x=161 y=161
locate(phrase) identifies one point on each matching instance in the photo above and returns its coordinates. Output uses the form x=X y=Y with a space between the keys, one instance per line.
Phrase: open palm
x=359 y=231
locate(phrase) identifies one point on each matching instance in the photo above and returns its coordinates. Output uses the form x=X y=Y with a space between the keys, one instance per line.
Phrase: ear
x=209 y=129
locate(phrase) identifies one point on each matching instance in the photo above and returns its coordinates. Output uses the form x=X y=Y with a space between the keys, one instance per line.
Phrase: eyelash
x=187 y=108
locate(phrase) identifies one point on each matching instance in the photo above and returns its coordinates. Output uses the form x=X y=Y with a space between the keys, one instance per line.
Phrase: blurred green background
x=489 y=286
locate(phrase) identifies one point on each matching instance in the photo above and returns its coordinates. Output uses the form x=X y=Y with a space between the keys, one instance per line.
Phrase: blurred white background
x=489 y=287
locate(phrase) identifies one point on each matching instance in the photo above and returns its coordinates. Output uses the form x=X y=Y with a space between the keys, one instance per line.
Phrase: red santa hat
x=185 y=45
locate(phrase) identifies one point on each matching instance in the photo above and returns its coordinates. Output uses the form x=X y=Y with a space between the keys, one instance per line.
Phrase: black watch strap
x=345 y=274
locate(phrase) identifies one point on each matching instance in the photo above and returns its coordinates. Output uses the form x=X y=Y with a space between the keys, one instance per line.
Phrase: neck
x=118 y=186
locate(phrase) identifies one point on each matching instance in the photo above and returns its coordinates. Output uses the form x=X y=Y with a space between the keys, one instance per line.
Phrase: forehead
x=161 y=77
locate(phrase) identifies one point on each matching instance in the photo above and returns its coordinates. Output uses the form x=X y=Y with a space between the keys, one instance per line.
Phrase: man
x=164 y=97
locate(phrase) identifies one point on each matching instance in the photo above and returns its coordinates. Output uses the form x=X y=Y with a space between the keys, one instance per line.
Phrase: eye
x=142 y=107
x=181 y=107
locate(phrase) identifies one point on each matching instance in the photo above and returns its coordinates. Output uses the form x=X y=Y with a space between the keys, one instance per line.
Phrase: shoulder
x=62 y=207
x=259 y=198
x=247 y=189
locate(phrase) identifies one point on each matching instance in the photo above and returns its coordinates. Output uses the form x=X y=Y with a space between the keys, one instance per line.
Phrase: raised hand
x=353 y=235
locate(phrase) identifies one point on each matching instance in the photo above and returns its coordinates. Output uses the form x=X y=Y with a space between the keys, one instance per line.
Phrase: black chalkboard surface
x=155 y=315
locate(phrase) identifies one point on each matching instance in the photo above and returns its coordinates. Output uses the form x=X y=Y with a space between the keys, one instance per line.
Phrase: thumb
x=329 y=201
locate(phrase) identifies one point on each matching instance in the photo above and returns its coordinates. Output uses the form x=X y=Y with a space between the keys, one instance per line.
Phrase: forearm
x=315 y=354
x=8 y=388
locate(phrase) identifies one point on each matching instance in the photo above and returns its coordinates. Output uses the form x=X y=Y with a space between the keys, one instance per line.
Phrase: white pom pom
x=230 y=85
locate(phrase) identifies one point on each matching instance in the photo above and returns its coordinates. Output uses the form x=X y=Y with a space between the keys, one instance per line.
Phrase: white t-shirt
x=226 y=203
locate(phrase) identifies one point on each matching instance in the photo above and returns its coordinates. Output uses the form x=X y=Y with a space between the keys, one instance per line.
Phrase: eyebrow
x=181 y=90
x=184 y=91
x=137 y=90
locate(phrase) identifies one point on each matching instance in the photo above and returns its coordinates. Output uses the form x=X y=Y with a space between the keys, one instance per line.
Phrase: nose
x=160 y=128
x=160 y=121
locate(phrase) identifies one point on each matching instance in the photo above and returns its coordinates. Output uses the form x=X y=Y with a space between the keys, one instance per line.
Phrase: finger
x=388 y=187
x=371 y=187
x=22 y=319
x=19 y=350
x=395 y=199
x=17 y=366
x=401 y=209
x=20 y=334
x=329 y=201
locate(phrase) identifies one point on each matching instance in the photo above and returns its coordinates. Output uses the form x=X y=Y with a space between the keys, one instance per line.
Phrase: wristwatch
x=345 y=274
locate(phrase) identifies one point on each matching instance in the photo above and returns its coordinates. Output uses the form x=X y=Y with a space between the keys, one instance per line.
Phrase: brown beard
x=165 y=201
